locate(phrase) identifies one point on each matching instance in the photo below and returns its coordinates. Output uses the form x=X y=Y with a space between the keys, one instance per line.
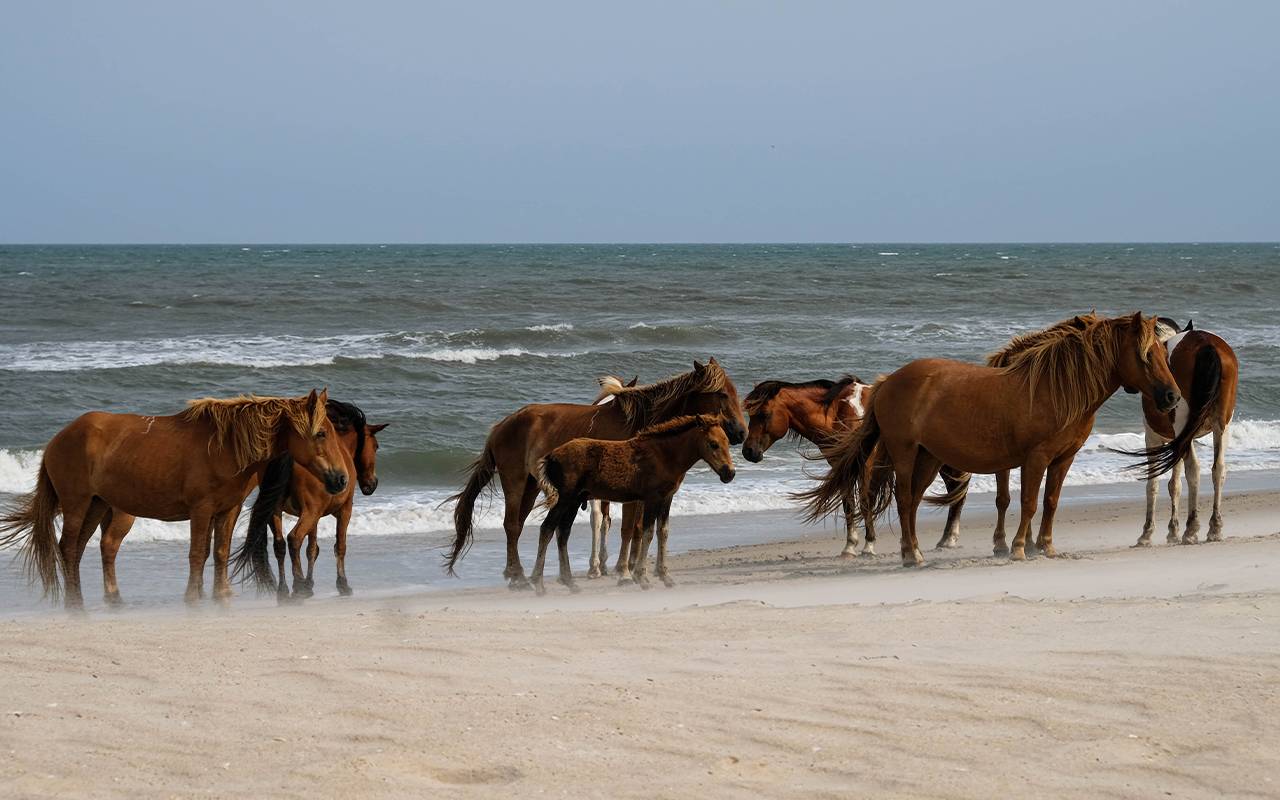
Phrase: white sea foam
x=886 y=254
x=556 y=328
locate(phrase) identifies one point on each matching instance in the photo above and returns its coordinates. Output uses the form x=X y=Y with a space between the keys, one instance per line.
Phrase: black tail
x=1206 y=384
x=956 y=495
x=855 y=472
x=252 y=555
x=29 y=522
x=478 y=477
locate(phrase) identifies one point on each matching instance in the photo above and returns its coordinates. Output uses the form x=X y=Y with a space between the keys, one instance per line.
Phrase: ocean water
x=442 y=341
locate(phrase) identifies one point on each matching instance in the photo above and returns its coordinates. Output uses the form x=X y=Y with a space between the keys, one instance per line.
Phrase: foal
x=647 y=468
x=817 y=411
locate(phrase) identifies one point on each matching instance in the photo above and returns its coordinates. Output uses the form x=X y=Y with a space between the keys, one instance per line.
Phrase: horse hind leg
x=563 y=529
x=79 y=521
x=951 y=533
x=545 y=533
x=519 y=504
x=1175 y=492
x=663 y=524
x=115 y=526
x=599 y=533
x=281 y=548
x=629 y=533
x=1191 y=466
x=1219 y=479
x=1150 y=440
x=999 y=545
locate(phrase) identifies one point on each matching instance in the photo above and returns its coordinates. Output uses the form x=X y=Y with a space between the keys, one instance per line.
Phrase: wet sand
x=770 y=670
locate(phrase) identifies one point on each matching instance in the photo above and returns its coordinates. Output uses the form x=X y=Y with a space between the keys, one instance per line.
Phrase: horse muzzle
x=726 y=474
x=734 y=430
x=335 y=480
x=1167 y=398
x=369 y=486
x=752 y=453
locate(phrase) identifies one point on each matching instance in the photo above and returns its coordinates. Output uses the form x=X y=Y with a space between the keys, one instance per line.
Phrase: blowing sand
x=772 y=670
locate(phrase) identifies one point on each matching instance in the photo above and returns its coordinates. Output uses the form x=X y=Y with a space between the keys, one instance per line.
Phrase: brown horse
x=1034 y=413
x=299 y=494
x=817 y=411
x=1207 y=373
x=517 y=443
x=198 y=465
x=646 y=469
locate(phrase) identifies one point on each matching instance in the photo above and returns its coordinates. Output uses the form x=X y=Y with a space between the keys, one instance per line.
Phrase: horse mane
x=1017 y=344
x=248 y=424
x=678 y=425
x=609 y=386
x=767 y=390
x=348 y=416
x=1069 y=361
x=640 y=404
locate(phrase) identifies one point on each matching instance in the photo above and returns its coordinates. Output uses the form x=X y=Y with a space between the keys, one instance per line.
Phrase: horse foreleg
x=223 y=526
x=951 y=533
x=301 y=530
x=1191 y=466
x=1032 y=475
x=1175 y=492
x=201 y=533
x=998 y=545
x=340 y=548
x=313 y=552
x=281 y=549
x=115 y=525
x=663 y=523
x=850 y=530
x=630 y=522
x=1052 y=488
x=1219 y=478
x=1150 y=439
x=640 y=562
x=563 y=529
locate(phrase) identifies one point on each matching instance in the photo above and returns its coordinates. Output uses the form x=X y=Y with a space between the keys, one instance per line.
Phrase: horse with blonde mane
x=818 y=411
x=517 y=443
x=1034 y=413
x=198 y=465
x=646 y=469
x=601 y=519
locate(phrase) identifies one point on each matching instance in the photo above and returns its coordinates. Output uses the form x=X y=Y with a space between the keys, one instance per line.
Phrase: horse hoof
x=595 y=572
x=344 y=589
x=667 y=582
x=1018 y=554
x=113 y=600
x=948 y=543
x=1214 y=536
x=1193 y=539
x=644 y=584
x=519 y=585
x=539 y=589
x=913 y=559
x=869 y=550
x=574 y=588
x=1143 y=542
x=1049 y=552
x=302 y=592
x=1002 y=550
x=848 y=554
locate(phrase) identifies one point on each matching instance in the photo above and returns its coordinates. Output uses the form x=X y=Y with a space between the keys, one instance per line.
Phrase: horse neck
x=350 y=443
x=808 y=416
x=680 y=451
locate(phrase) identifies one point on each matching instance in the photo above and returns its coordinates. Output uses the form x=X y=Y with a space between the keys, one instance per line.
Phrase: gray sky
x=643 y=121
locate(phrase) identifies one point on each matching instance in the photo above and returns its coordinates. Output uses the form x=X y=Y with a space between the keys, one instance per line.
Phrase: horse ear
x=712 y=361
x=311 y=400
x=376 y=428
x=1191 y=325
x=697 y=366
x=324 y=396
x=633 y=381
x=1136 y=319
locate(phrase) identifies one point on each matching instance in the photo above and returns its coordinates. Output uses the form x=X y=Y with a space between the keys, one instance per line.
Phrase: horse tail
x=956 y=495
x=252 y=555
x=29 y=519
x=854 y=471
x=550 y=477
x=479 y=475
x=1206 y=385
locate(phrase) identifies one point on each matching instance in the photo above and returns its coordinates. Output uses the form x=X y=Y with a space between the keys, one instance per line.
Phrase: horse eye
x=321 y=434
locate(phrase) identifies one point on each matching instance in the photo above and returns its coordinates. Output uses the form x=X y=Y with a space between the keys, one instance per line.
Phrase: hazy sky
x=639 y=121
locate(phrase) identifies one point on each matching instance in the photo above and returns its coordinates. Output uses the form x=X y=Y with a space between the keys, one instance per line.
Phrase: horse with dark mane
x=818 y=411
x=646 y=469
x=1207 y=372
x=517 y=443
x=198 y=465
x=295 y=492
x=1034 y=413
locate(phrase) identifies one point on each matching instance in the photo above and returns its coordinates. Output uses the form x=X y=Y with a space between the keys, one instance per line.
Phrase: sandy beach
x=771 y=670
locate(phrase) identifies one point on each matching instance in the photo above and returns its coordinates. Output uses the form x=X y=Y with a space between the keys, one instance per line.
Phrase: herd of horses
x=1030 y=407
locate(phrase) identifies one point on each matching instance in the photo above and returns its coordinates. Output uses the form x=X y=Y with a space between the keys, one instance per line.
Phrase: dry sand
x=772 y=670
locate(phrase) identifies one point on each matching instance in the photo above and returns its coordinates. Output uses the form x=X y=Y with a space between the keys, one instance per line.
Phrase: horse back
x=535 y=430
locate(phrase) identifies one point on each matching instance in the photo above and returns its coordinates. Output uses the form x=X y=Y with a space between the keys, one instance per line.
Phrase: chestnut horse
x=198 y=465
x=518 y=442
x=816 y=411
x=647 y=469
x=1034 y=413
x=299 y=494
x=1207 y=371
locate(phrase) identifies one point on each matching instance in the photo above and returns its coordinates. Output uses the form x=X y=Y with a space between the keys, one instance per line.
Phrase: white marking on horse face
x=856 y=399
x=606 y=399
